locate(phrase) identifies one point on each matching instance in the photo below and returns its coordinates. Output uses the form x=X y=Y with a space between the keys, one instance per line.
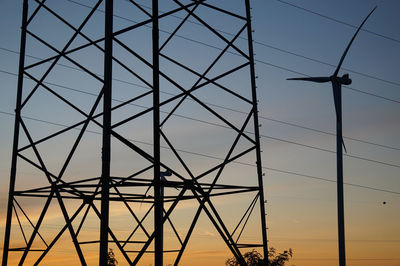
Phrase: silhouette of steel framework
x=145 y=170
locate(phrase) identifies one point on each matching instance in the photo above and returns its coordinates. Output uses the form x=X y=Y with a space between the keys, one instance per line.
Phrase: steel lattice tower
x=124 y=126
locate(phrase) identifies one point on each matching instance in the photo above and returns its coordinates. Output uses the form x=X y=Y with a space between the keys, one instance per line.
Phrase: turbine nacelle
x=344 y=80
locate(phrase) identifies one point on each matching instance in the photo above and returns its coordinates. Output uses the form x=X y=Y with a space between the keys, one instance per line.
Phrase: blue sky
x=301 y=208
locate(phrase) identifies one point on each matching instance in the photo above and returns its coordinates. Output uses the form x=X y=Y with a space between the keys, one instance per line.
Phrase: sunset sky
x=291 y=39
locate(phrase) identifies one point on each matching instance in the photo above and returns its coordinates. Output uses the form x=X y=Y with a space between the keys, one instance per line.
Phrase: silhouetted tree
x=111 y=260
x=281 y=258
x=254 y=258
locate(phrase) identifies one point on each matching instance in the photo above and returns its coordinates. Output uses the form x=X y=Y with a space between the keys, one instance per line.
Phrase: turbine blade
x=312 y=79
x=351 y=41
x=344 y=146
x=335 y=88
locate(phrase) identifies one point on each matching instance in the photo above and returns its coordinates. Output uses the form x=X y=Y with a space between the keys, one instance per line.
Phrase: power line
x=70 y=67
x=219 y=125
x=333 y=239
x=329 y=151
x=263 y=62
x=259 y=61
x=215 y=105
x=327 y=133
x=327 y=64
x=223 y=126
x=279 y=49
x=355 y=259
x=291 y=142
x=222 y=159
x=294 y=143
x=347 y=87
x=339 y=21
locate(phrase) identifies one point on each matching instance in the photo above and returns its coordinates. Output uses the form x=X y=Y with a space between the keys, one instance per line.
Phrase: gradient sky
x=301 y=208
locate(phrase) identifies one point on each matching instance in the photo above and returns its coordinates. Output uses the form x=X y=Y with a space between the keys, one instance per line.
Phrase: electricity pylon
x=126 y=94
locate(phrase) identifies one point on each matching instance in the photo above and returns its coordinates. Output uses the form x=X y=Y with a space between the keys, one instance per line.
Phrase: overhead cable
x=339 y=21
x=215 y=105
x=219 y=125
x=222 y=159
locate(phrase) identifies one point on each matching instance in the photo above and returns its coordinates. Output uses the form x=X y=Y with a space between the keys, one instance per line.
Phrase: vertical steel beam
x=106 y=149
x=340 y=201
x=16 y=132
x=257 y=133
x=158 y=204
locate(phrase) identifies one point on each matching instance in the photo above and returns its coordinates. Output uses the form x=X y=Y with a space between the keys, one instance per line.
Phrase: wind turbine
x=337 y=83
